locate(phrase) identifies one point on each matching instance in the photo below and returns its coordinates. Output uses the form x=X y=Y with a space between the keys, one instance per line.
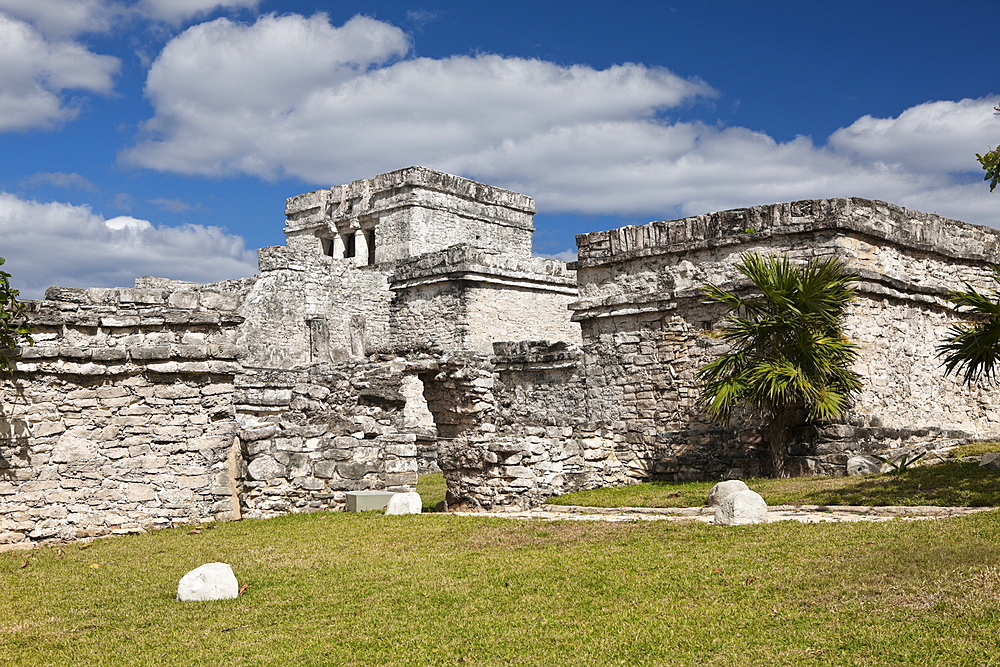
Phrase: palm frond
x=971 y=349
x=787 y=349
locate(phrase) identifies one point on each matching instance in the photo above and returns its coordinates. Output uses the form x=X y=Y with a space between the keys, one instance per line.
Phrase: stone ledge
x=877 y=219
x=133 y=301
x=401 y=187
x=871 y=283
x=465 y=262
x=535 y=355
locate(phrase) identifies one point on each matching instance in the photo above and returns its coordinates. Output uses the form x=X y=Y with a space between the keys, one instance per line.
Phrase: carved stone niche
x=353 y=240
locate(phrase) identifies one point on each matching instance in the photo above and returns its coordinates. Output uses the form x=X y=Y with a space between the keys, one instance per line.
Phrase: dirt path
x=801 y=513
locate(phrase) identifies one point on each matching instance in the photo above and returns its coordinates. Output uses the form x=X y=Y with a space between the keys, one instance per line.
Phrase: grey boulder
x=990 y=461
x=862 y=465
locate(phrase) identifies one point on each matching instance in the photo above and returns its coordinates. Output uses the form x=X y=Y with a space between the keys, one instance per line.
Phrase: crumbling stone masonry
x=121 y=416
x=647 y=332
x=332 y=370
x=405 y=328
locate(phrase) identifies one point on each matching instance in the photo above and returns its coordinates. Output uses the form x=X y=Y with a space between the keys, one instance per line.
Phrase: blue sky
x=161 y=137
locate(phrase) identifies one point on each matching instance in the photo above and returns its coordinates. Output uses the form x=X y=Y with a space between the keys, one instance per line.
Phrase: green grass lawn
x=431 y=488
x=957 y=484
x=436 y=589
x=369 y=589
x=974 y=449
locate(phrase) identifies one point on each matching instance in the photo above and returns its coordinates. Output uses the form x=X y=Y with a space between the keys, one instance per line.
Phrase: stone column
x=360 y=248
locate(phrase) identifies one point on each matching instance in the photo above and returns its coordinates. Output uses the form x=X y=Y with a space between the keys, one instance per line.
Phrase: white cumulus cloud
x=56 y=243
x=177 y=12
x=62 y=18
x=934 y=136
x=650 y=170
x=35 y=72
x=40 y=61
x=69 y=18
x=296 y=96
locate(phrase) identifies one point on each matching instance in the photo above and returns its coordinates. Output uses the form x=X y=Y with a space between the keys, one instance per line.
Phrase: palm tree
x=972 y=347
x=789 y=361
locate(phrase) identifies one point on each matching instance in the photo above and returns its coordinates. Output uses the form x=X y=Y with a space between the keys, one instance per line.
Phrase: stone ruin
x=406 y=328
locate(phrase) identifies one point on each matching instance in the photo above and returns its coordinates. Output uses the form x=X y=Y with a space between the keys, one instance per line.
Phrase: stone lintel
x=534 y=355
x=533 y=364
x=130 y=302
x=124 y=367
x=484 y=276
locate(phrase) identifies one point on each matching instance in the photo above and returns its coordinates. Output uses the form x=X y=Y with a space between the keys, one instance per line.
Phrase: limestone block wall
x=640 y=376
x=538 y=383
x=428 y=316
x=308 y=308
x=534 y=441
x=121 y=417
x=645 y=331
x=906 y=400
x=497 y=313
x=467 y=298
x=458 y=390
x=511 y=472
x=309 y=437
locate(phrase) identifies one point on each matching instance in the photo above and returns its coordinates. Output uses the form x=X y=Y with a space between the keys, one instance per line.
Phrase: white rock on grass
x=723 y=490
x=741 y=508
x=404 y=503
x=211 y=581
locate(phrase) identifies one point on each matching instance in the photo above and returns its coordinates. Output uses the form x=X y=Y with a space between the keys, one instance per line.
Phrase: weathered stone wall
x=429 y=315
x=538 y=383
x=641 y=376
x=534 y=441
x=624 y=407
x=309 y=308
x=466 y=298
x=121 y=417
x=874 y=219
x=906 y=401
x=646 y=333
x=174 y=402
x=497 y=313
x=309 y=437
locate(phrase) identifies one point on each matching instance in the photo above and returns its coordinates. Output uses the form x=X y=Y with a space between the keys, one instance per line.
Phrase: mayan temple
x=405 y=327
